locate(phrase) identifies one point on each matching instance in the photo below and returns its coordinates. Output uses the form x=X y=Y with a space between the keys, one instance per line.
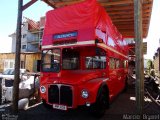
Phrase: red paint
x=84 y=18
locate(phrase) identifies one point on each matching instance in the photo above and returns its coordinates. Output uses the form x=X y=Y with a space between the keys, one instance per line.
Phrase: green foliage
x=150 y=66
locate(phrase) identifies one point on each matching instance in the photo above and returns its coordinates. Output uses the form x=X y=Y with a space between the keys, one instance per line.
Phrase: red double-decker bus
x=84 y=58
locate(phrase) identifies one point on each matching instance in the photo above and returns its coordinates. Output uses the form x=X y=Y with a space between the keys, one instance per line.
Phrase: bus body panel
x=81 y=51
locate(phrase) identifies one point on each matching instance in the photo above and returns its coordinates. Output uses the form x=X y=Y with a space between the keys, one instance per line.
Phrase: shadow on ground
x=123 y=105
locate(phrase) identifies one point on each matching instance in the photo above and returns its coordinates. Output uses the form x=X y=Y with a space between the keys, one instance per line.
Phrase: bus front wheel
x=102 y=102
x=46 y=105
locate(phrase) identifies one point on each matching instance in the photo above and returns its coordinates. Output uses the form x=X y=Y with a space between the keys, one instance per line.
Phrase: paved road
x=121 y=108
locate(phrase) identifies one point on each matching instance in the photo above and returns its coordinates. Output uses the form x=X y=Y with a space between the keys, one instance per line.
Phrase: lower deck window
x=70 y=63
x=70 y=59
x=95 y=62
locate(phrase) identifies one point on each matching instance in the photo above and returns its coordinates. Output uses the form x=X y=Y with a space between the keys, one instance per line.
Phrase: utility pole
x=139 y=56
x=17 y=55
x=17 y=59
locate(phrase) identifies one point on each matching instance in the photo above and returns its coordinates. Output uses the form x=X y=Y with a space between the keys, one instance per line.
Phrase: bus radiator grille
x=60 y=94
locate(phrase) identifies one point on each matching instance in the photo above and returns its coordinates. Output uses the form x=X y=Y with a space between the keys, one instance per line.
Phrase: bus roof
x=83 y=15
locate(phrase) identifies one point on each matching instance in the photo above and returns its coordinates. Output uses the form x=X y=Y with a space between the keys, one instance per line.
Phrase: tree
x=149 y=65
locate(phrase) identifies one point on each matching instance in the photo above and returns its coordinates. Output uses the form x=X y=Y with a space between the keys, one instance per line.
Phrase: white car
x=28 y=86
x=9 y=73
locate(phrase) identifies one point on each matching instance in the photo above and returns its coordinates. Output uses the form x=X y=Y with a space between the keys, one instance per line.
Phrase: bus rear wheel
x=126 y=85
x=0 y=91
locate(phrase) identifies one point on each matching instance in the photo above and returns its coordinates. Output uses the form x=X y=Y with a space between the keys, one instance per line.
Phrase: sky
x=153 y=37
x=8 y=21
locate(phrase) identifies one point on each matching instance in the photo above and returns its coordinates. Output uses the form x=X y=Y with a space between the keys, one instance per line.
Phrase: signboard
x=65 y=35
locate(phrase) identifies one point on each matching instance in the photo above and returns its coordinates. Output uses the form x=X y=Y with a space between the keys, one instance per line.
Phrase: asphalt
x=122 y=108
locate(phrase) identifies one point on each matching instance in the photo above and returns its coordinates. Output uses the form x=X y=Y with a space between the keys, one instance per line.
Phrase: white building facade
x=31 y=36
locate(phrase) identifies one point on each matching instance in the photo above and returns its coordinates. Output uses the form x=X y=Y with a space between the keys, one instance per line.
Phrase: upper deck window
x=111 y=42
x=51 y=60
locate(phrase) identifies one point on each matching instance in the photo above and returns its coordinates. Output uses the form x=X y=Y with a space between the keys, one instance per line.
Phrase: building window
x=23 y=46
x=8 y=63
x=24 y=35
x=41 y=33
x=22 y=64
x=36 y=37
x=11 y=64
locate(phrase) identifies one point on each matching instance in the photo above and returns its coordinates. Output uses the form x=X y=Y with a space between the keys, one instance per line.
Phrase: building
x=30 y=47
x=30 y=61
x=31 y=35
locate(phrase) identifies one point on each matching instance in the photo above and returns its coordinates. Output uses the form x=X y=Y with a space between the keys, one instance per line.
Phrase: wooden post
x=17 y=55
x=17 y=59
x=139 y=56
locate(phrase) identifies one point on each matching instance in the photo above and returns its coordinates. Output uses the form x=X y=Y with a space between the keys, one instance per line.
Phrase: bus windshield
x=51 y=60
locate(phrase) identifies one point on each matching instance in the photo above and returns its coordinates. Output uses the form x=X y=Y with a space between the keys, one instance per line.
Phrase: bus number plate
x=60 y=107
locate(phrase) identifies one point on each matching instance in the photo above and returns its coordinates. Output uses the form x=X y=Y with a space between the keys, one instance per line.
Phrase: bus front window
x=51 y=60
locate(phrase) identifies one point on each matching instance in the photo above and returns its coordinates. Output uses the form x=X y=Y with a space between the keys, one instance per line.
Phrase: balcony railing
x=33 y=40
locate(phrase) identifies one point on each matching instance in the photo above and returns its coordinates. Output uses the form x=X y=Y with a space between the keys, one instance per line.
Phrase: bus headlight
x=42 y=89
x=84 y=94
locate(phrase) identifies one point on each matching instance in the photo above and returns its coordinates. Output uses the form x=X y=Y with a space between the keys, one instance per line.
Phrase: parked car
x=9 y=73
x=28 y=87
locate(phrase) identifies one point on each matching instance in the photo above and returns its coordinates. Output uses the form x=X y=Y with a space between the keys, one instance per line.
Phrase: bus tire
x=102 y=102
x=126 y=85
x=0 y=91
